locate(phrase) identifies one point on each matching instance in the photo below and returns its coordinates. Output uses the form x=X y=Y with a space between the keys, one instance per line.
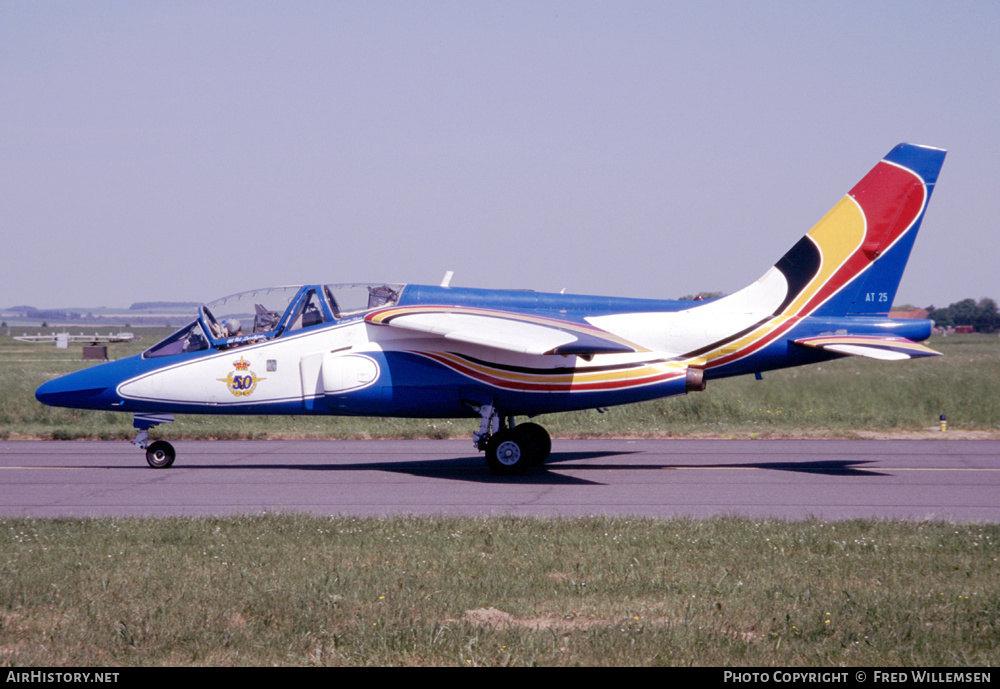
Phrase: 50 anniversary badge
x=241 y=382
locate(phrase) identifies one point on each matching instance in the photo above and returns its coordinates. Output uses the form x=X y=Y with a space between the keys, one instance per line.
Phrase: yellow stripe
x=838 y=235
x=577 y=376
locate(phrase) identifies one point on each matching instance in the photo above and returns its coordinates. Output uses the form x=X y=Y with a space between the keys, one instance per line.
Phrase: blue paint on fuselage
x=571 y=307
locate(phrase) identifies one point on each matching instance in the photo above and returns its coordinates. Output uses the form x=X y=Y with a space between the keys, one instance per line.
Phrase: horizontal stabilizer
x=509 y=331
x=870 y=346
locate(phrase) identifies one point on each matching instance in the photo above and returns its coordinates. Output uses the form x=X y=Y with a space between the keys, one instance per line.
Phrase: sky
x=183 y=151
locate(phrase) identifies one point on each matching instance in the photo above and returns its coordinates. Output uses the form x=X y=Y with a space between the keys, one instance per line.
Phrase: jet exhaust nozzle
x=695 y=380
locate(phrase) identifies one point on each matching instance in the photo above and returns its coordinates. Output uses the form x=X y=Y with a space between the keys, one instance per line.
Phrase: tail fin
x=851 y=262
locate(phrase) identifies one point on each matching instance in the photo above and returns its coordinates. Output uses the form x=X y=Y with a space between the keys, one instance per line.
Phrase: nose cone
x=60 y=393
x=92 y=388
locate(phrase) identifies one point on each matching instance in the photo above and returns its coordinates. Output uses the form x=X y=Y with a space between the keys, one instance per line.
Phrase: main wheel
x=537 y=442
x=160 y=454
x=507 y=452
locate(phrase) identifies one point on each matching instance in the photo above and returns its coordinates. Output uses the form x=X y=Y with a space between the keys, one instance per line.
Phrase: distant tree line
x=982 y=316
x=702 y=295
x=44 y=314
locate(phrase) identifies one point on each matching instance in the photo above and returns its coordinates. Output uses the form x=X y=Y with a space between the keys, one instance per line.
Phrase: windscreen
x=258 y=312
x=190 y=338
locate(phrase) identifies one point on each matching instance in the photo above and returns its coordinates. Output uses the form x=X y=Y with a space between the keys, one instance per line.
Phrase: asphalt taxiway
x=955 y=480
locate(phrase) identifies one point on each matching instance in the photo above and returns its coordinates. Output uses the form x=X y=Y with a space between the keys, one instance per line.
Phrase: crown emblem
x=242 y=364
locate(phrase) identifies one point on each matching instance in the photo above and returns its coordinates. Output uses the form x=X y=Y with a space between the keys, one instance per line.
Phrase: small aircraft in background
x=403 y=350
x=63 y=340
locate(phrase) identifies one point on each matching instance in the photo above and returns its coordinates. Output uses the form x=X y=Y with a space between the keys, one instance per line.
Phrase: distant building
x=915 y=313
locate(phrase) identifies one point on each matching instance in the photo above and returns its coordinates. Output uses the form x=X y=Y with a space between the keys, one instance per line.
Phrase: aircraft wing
x=506 y=330
x=870 y=346
x=35 y=338
x=119 y=337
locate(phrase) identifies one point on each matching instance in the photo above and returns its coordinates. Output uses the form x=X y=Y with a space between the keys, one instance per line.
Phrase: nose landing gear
x=159 y=454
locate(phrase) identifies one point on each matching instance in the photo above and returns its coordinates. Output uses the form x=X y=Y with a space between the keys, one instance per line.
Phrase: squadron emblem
x=241 y=382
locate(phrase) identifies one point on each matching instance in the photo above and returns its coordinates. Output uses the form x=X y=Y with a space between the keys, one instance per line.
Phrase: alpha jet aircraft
x=386 y=349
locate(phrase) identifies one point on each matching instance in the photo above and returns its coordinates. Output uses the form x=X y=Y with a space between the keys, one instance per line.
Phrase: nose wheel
x=159 y=454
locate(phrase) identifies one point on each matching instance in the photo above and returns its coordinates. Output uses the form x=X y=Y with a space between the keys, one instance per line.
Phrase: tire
x=160 y=455
x=506 y=452
x=538 y=443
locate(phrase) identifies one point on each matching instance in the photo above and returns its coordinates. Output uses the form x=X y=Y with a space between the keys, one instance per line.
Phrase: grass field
x=840 y=398
x=296 y=590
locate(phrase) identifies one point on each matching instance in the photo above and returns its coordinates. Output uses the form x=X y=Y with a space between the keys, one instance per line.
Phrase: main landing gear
x=159 y=454
x=511 y=449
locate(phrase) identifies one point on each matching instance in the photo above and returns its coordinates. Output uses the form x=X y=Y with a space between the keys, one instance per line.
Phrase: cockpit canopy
x=264 y=314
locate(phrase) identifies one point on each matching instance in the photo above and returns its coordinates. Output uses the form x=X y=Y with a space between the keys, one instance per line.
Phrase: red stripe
x=489 y=379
